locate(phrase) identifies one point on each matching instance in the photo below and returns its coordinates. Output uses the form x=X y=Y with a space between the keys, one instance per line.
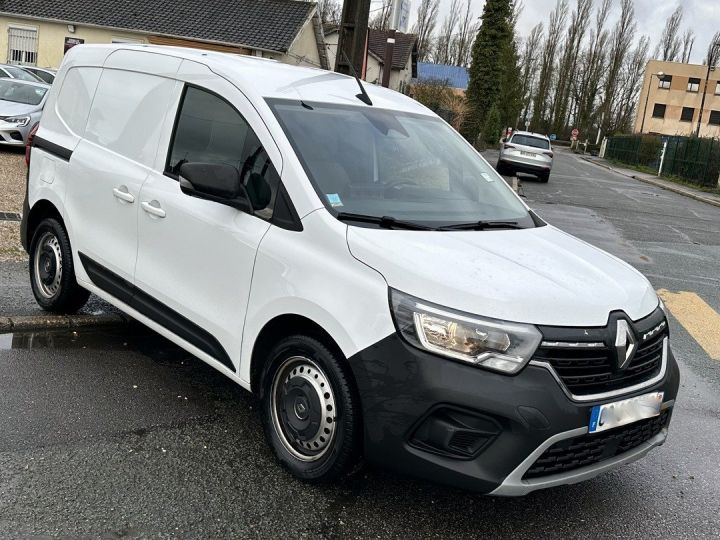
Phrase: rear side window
x=75 y=98
x=128 y=112
x=529 y=140
x=210 y=130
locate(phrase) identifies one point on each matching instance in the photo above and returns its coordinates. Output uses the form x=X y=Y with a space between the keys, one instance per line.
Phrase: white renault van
x=340 y=251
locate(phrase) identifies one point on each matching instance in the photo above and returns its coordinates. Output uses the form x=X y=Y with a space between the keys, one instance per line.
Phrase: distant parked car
x=528 y=153
x=16 y=72
x=21 y=105
x=46 y=75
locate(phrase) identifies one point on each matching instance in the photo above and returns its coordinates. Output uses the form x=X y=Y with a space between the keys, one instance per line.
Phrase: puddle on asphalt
x=131 y=338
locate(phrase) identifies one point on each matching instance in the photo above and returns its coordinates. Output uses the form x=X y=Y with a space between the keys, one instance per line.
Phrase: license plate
x=527 y=154
x=627 y=411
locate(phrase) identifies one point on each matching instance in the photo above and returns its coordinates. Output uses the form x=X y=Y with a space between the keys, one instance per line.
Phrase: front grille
x=587 y=449
x=586 y=371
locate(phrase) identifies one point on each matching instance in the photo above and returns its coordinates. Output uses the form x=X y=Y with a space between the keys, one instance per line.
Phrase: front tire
x=311 y=412
x=52 y=274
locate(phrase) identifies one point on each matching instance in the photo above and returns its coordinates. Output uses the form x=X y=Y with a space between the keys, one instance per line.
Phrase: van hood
x=541 y=276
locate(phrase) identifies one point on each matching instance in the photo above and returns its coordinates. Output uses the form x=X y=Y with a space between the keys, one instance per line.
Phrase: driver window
x=210 y=130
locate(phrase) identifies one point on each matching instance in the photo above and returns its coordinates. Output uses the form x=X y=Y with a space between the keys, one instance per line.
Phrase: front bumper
x=13 y=135
x=402 y=389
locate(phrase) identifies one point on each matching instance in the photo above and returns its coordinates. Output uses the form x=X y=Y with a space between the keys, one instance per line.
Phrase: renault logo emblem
x=625 y=344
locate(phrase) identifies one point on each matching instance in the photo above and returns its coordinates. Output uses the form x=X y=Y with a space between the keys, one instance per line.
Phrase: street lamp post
x=660 y=75
x=710 y=68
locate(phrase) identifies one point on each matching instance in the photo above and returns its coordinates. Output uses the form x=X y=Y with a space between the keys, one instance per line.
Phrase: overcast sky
x=703 y=16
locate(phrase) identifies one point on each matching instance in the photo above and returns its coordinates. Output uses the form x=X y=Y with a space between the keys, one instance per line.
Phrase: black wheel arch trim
x=152 y=308
x=52 y=148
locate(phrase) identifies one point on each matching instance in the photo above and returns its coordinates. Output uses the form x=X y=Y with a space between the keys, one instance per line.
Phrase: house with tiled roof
x=39 y=32
x=404 y=62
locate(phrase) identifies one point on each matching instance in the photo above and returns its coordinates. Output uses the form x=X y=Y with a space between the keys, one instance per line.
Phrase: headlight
x=489 y=343
x=20 y=121
x=664 y=309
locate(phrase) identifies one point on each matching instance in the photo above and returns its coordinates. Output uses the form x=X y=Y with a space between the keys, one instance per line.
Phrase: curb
x=34 y=323
x=660 y=184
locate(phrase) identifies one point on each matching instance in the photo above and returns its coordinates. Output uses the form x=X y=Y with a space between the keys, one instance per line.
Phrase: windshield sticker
x=487 y=177
x=334 y=199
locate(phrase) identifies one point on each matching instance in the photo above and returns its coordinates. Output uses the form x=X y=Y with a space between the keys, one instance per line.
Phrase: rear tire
x=52 y=274
x=501 y=168
x=310 y=409
x=544 y=177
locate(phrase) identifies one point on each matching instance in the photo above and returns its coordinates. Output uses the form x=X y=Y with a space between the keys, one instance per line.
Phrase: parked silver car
x=526 y=152
x=47 y=75
x=21 y=105
x=8 y=71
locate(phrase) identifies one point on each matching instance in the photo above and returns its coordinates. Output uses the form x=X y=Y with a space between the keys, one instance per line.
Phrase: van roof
x=265 y=78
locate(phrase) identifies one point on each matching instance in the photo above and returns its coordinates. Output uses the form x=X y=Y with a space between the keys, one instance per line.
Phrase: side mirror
x=215 y=182
x=504 y=139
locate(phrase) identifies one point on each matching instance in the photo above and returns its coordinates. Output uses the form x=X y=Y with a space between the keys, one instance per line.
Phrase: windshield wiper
x=387 y=222
x=481 y=226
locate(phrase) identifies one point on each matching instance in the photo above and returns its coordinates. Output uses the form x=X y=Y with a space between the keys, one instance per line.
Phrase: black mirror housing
x=216 y=182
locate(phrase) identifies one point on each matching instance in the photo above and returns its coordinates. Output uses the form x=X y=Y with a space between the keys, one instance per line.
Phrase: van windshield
x=21 y=93
x=396 y=165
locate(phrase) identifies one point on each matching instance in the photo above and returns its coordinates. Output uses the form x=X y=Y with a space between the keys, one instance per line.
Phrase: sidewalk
x=698 y=195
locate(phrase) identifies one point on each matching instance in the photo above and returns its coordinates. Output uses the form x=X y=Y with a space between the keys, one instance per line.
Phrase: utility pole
x=390 y=44
x=352 y=38
x=710 y=67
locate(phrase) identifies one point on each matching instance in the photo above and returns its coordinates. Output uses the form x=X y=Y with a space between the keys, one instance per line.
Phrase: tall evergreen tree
x=494 y=67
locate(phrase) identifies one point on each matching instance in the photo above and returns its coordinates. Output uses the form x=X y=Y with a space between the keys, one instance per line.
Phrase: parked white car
x=339 y=250
x=526 y=152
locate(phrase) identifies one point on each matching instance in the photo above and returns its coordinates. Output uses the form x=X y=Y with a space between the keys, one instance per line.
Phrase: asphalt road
x=123 y=435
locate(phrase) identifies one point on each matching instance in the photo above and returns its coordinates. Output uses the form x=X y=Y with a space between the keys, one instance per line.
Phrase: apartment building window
x=693 y=84
x=22 y=46
x=659 y=110
x=687 y=114
x=665 y=81
x=714 y=118
x=717 y=88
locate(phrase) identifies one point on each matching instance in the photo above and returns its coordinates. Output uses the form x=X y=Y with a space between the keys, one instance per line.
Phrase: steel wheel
x=48 y=265
x=303 y=408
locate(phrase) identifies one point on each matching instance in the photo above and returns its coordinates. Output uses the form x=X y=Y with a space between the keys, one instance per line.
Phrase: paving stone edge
x=35 y=323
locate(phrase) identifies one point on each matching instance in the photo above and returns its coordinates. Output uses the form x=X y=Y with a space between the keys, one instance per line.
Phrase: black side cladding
x=179 y=325
x=52 y=148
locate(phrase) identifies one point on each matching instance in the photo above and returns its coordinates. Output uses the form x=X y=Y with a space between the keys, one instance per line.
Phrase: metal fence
x=692 y=159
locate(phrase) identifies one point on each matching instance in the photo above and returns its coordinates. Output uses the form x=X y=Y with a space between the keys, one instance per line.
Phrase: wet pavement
x=120 y=434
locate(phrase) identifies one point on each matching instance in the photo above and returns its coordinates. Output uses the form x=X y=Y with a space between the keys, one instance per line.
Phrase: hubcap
x=303 y=408
x=47 y=265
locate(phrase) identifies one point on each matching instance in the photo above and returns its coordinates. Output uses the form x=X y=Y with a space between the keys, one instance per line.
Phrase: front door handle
x=153 y=208
x=123 y=194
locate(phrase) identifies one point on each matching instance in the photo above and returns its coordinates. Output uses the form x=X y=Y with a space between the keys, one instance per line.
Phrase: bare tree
x=669 y=47
x=529 y=61
x=467 y=29
x=712 y=58
x=620 y=42
x=568 y=63
x=381 y=19
x=547 y=64
x=443 y=47
x=330 y=11
x=688 y=40
x=424 y=28
x=629 y=86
